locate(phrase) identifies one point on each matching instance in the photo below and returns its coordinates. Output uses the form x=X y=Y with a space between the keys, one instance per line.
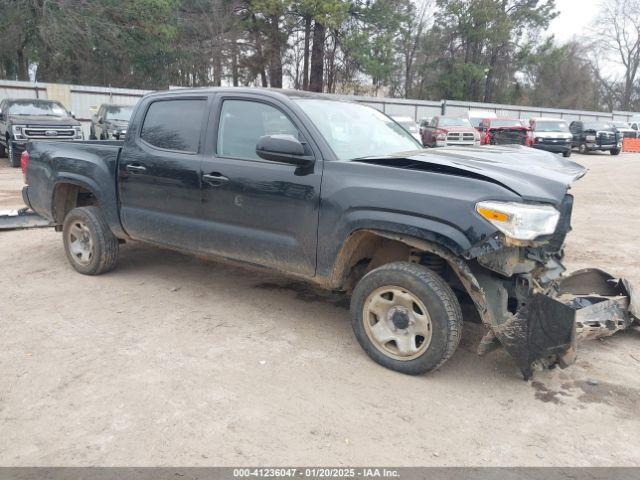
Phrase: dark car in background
x=504 y=131
x=552 y=135
x=111 y=122
x=22 y=120
x=594 y=136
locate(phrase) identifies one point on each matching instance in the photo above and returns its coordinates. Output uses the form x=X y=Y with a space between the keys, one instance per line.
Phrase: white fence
x=84 y=100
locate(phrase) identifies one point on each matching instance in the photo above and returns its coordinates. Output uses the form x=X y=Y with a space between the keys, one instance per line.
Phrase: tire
x=615 y=151
x=582 y=149
x=401 y=285
x=12 y=155
x=566 y=154
x=3 y=151
x=91 y=247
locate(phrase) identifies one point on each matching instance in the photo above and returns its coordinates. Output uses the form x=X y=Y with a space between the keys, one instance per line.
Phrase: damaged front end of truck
x=535 y=311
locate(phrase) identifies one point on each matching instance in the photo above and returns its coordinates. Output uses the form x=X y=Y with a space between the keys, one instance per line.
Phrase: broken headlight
x=520 y=221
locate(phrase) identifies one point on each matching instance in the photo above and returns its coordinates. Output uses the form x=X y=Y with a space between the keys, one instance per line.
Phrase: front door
x=256 y=210
x=159 y=172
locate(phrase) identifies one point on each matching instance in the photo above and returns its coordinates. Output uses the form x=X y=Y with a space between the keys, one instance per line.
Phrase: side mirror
x=283 y=148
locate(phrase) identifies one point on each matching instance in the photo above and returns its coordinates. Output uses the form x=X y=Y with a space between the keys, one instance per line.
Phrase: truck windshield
x=597 y=126
x=122 y=114
x=552 y=127
x=453 y=122
x=354 y=131
x=37 y=107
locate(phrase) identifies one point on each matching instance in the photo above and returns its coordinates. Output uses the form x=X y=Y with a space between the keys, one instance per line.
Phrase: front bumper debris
x=587 y=304
x=21 y=219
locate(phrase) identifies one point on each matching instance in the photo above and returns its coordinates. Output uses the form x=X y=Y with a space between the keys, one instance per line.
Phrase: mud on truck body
x=338 y=194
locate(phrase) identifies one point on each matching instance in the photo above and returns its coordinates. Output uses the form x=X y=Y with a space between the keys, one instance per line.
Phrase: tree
x=618 y=32
x=484 y=38
x=561 y=77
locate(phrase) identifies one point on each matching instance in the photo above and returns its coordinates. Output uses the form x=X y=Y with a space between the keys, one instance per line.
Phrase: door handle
x=135 y=168
x=215 y=179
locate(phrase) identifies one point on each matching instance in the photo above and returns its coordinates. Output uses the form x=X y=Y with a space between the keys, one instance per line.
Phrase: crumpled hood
x=533 y=174
x=512 y=127
x=47 y=120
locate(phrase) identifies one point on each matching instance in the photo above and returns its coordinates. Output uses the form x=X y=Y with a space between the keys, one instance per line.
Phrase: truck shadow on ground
x=192 y=280
x=189 y=273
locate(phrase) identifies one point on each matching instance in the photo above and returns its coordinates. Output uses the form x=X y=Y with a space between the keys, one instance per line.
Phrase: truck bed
x=90 y=164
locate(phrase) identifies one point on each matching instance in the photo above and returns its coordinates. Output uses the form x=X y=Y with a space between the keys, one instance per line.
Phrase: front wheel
x=566 y=154
x=582 y=149
x=13 y=155
x=615 y=151
x=90 y=245
x=406 y=318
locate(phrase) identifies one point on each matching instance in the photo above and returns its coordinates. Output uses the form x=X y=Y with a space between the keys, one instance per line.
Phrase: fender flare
x=108 y=207
x=459 y=266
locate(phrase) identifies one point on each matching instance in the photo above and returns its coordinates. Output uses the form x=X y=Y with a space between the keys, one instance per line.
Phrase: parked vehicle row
x=549 y=134
x=22 y=120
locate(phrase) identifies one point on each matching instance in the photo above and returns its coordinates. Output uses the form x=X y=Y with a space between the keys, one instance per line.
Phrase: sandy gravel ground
x=171 y=360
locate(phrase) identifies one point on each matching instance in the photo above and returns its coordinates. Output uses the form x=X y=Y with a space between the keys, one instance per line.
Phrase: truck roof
x=271 y=92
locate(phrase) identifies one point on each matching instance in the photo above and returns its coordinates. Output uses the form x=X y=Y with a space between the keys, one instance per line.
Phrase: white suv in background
x=625 y=128
x=551 y=134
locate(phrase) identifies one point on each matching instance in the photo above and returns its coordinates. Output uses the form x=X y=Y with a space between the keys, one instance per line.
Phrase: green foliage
x=480 y=50
x=372 y=40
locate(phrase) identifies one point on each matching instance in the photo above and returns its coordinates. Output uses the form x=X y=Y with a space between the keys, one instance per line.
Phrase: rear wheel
x=582 y=148
x=566 y=154
x=90 y=245
x=13 y=155
x=615 y=151
x=406 y=317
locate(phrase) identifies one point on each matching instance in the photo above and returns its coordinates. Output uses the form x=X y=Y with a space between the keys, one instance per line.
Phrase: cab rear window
x=174 y=124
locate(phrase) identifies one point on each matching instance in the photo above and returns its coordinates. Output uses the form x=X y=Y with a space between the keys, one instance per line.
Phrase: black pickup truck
x=27 y=119
x=339 y=194
x=595 y=136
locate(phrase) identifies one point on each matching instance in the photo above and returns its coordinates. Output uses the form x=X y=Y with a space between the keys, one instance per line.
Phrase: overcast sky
x=574 y=19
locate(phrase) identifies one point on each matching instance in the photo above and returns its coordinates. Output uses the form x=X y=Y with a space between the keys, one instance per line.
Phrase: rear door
x=255 y=210
x=159 y=171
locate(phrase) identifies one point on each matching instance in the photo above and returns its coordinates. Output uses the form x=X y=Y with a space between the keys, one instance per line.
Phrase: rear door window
x=174 y=124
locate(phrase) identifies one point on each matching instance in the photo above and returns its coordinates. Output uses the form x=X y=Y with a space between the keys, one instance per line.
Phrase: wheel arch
x=72 y=190
x=380 y=247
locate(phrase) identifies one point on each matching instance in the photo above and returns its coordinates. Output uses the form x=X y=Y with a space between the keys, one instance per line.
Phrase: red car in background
x=443 y=131
x=504 y=131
